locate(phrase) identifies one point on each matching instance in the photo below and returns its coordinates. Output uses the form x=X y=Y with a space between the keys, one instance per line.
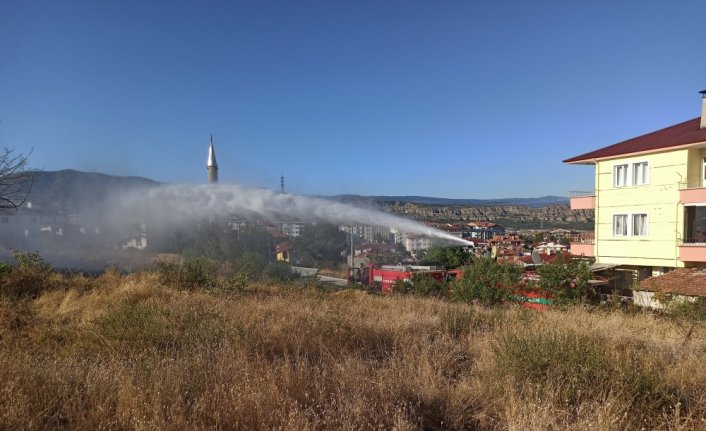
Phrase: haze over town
x=459 y=100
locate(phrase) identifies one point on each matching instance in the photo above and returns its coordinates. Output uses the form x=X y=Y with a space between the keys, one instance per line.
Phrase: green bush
x=688 y=310
x=279 y=271
x=487 y=281
x=250 y=263
x=566 y=280
x=423 y=286
x=28 y=277
x=194 y=273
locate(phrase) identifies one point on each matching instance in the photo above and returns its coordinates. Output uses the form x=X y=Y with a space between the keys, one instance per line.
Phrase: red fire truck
x=383 y=277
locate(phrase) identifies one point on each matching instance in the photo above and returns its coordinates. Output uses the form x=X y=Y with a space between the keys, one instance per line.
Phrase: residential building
x=367 y=232
x=650 y=202
x=415 y=243
x=483 y=229
x=291 y=228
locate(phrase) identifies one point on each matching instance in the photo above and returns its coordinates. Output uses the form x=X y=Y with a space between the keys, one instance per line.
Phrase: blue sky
x=460 y=99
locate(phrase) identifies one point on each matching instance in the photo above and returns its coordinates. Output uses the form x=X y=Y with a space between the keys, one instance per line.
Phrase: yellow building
x=649 y=201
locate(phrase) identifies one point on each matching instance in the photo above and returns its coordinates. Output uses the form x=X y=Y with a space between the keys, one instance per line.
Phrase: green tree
x=487 y=281
x=321 y=243
x=448 y=257
x=567 y=280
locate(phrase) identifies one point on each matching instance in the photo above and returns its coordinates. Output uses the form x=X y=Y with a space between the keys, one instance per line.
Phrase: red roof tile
x=682 y=281
x=688 y=132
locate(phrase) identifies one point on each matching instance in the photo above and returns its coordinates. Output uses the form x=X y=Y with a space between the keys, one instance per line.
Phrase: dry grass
x=125 y=352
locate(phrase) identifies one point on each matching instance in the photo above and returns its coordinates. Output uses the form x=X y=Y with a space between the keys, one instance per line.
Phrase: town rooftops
x=680 y=135
x=682 y=281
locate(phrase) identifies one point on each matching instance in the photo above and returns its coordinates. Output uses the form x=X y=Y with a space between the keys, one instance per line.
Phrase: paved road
x=311 y=272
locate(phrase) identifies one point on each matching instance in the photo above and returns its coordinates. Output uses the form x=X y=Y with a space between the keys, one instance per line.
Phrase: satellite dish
x=535 y=258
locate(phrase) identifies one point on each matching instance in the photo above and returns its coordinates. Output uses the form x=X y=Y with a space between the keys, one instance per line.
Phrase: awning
x=598 y=266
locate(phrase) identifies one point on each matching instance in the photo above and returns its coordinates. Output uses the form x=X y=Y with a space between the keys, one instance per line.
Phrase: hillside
x=76 y=191
x=426 y=200
x=130 y=352
x=516 y=216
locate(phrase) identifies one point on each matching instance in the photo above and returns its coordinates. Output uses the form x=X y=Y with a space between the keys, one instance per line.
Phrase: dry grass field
x=127 y=352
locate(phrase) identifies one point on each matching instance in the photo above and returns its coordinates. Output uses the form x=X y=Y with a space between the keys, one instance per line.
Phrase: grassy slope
x=124 y=352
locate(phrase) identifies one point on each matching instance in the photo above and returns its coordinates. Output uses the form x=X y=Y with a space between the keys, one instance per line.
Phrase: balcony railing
x=693 y=195
x=581 y=193
x=692 y=250
x=693 y=242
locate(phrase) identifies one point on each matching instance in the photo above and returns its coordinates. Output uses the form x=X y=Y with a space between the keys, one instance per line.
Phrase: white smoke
x=178 y=203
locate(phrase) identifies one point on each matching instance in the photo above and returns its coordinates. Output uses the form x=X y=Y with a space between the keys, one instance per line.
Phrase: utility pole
x=352 y=249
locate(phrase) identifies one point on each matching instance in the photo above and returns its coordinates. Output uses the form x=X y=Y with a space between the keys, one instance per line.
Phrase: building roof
x=679 y=135
x=681 y=281
x=482 y=224
x=283 y=246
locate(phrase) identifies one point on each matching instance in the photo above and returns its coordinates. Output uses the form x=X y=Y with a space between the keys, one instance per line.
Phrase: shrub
x=486 y=281
x=689 y=310
x=28 y=277
x=250 y=263
x=279 y=271
x=194 y=273
x=567 y=280
x=422 y=286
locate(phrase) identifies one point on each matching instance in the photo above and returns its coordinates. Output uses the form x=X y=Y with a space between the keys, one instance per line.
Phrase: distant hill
x=426 y=200
x=84 y=192
x=76 y=190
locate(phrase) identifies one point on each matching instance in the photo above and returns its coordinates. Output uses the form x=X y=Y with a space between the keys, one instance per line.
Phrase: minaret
x=281 y=184
x=211 y=165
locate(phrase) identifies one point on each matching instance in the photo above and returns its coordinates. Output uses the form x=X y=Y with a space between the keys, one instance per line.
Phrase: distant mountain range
x=539 y=202
x=71 y=188
x=86 y=192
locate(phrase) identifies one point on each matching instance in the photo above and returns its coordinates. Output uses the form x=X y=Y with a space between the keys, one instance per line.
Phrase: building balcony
x=693 y=196
x=693 y=250
x=579 y=200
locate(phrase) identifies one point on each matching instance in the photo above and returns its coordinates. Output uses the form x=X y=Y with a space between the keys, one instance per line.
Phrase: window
x=630 y=224
x=694 y=224
x=639 y=224
x=620 y=175
x=620 y=225
x=640 y=173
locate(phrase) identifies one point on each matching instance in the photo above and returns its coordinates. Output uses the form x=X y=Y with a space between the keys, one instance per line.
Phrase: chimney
x=703 y=109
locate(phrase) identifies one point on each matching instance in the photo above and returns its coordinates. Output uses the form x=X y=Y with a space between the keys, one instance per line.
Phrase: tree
x=448 y=257
x=15 y=179
x=567 y=279
x=321 y=243
x=487 y=281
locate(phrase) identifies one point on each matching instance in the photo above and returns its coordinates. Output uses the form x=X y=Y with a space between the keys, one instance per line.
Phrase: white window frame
x=632 y=224
x=629 y=225
x=627 y=177
x=625 y=223
x=634 y=172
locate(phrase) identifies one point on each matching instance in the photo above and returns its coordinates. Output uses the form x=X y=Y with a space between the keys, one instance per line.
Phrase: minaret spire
x=211 y=165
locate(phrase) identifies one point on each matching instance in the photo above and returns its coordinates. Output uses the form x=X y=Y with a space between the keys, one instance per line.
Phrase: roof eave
x=592 y=161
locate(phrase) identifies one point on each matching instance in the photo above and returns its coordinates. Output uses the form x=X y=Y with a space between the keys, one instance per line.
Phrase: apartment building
x=649 y=201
